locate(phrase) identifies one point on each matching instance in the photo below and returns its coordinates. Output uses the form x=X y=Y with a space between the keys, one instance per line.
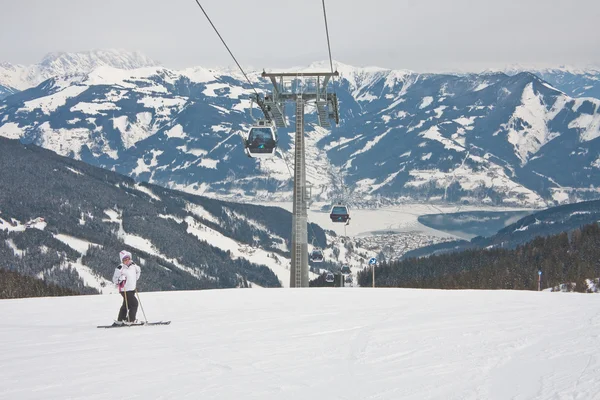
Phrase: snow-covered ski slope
x=351 y=343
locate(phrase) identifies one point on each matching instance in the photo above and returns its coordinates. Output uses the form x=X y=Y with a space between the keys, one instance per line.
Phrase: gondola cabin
x=261 y=140
x=329 y=278
x=345 y=269
x=339 y=213
x=316 y=255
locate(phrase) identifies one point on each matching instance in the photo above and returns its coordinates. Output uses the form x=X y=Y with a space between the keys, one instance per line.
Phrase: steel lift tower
x=299 y=88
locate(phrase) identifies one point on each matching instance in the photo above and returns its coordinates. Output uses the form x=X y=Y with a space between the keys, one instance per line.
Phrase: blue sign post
x=539 y=280
x=372 y=263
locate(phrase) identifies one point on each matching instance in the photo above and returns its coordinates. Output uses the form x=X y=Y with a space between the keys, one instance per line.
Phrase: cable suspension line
x=227 y=47
x=327 y=33
x=252 y=85
x=329 y=45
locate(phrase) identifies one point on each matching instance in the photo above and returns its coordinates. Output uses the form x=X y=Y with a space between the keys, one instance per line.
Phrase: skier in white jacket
x=125 y=277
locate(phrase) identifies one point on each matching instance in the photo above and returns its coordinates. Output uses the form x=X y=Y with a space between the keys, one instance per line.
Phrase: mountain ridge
x=65 y=221
x=489 y=138
x=552 y=221
x=21 y=77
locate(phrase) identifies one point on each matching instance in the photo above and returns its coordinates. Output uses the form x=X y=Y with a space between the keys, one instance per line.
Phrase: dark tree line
x=13 y=285
x=563 y=259
x=551 y=221
x=42 y=257
x=73 y=196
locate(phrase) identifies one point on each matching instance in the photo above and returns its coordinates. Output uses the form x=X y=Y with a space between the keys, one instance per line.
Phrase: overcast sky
x=421 y=35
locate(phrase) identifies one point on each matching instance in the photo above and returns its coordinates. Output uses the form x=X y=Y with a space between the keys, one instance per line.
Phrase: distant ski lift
x=345 y=269
x=329 y=277
x=339 y=213
x=261 y=140
x=316 y=255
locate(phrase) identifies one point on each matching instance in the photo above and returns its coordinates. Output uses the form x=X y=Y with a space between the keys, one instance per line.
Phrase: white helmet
x=124 y=254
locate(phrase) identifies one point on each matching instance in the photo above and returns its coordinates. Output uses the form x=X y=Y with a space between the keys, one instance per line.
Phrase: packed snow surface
x=350 y=343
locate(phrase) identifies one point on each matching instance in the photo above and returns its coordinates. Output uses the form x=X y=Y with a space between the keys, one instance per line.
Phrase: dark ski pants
x=133 y=305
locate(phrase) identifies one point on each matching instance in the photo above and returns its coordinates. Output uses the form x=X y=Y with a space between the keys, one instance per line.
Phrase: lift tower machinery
x=299 y=88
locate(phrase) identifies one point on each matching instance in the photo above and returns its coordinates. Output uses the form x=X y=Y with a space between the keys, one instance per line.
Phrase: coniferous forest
x=16 y=286
x=565 y=258
x=73 y=199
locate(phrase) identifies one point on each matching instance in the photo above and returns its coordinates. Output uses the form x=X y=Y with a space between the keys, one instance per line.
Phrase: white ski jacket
x=131 y=274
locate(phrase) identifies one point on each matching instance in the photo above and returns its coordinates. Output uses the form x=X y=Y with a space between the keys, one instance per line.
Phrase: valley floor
x=396 y=219
x=352 y=343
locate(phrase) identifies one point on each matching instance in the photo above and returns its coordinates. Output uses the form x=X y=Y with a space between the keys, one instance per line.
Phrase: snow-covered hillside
x=477 y=138
x=21 y=77
x=348 y=343
x=575 y=81
x=71 y=231
x=392 y=231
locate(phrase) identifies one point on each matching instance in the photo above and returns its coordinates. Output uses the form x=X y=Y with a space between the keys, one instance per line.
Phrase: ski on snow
x=139 y=324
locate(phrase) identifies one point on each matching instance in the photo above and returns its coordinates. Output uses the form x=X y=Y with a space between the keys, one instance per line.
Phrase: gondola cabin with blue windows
x=329 y=278
x=339 y=213
x=261 y=140
x=316 y=255
x=345 y=269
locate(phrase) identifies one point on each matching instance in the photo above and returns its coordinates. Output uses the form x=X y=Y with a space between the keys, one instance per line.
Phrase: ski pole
x=141 y=306
x=126 y=305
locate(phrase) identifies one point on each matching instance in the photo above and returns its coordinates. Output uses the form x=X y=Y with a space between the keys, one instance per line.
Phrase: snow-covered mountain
x=6 y=91
x=578 y=83
x=552 y=221
x=20 y=77
x=574 y=81
x=480 y=138
x=65 y=221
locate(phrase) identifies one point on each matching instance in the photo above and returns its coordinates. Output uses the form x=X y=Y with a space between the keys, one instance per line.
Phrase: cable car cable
x=328 y=45
x=327 y=34
x=254 y=88
x=227 y=47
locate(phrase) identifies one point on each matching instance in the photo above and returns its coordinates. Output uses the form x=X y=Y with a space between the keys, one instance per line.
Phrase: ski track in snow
x=352 y=343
